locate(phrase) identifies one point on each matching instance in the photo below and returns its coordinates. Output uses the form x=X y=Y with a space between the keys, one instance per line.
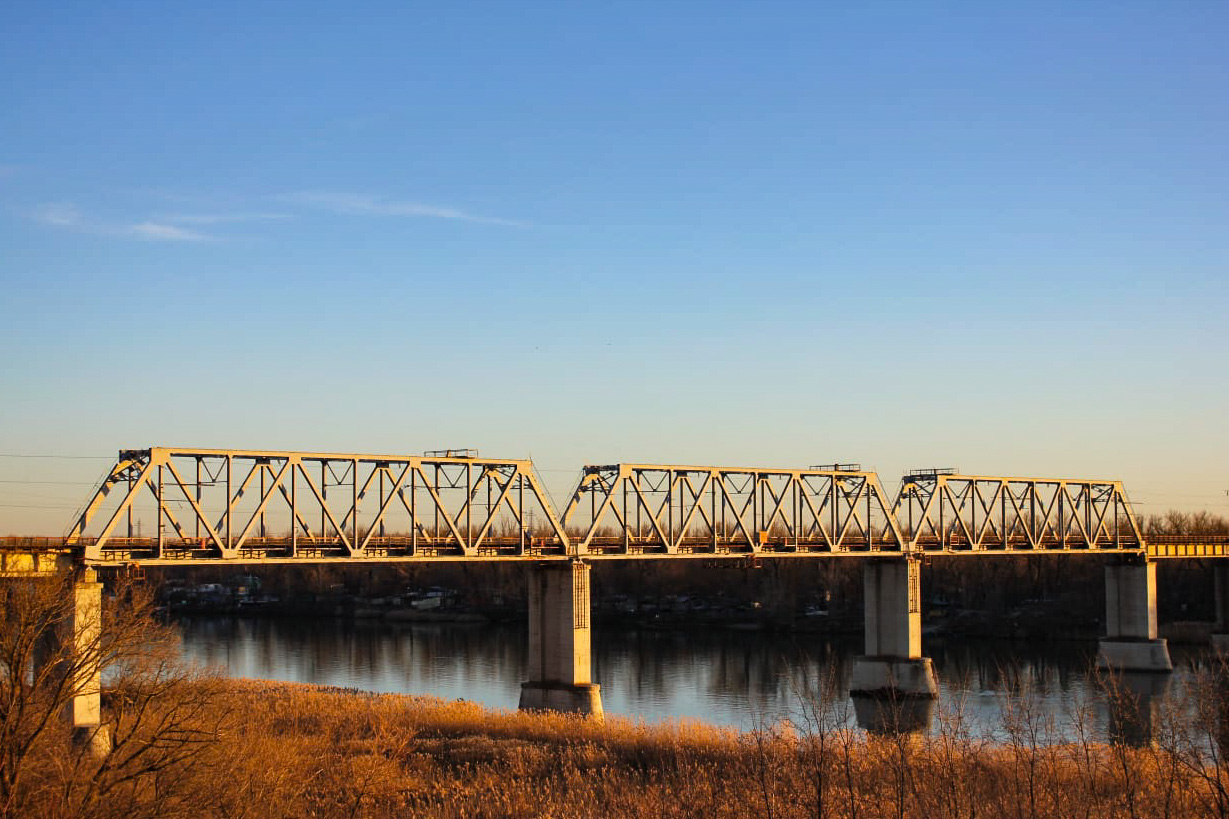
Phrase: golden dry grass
x=301 y=751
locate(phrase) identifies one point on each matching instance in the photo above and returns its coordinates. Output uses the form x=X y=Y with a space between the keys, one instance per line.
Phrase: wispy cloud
x=157 y=231
x=193 y=226
x=67 y=216
x=220 y=218
x=58 y=214
x=363 y=205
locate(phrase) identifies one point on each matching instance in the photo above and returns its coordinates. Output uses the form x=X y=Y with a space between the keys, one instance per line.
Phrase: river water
x=720 y=676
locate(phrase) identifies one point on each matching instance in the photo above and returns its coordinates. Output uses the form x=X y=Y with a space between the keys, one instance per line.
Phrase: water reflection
x=720 y=676
x=1134 y=700
x=450 y=661
x=889 y=716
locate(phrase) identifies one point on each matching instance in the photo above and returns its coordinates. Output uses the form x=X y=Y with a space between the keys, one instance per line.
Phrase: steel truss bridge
x=167 y=506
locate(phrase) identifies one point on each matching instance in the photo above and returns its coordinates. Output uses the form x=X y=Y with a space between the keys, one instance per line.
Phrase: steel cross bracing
x=170 y=505
x=290 y=506
x=941 y=512
x=656 y=509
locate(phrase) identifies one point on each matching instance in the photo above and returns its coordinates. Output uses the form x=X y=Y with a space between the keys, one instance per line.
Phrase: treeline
x=1175 y=522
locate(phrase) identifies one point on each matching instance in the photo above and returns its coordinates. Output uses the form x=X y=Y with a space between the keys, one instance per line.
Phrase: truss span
x=944 y=512
x=656 y=509
x=292 y=506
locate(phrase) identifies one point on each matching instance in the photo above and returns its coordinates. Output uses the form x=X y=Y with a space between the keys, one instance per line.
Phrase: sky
x=983 y=235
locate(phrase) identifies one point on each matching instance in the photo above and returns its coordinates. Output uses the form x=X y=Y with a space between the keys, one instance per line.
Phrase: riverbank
x=666 y=613
x=289 y=750
x=1050 y=597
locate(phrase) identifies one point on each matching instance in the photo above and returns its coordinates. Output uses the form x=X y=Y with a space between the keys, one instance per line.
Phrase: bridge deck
x=1187 y=546
x=25 y=556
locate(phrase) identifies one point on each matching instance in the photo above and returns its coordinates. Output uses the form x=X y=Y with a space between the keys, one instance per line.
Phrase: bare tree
x=158 y=715
x=823 y=711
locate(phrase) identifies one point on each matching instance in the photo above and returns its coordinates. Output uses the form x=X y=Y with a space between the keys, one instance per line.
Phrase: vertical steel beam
x=131 y=484
x=226 y=511
x=626 y=521
x=295 y=468
x=261 y=528
x=161 y=507
x=669 y=510
x=196 y=530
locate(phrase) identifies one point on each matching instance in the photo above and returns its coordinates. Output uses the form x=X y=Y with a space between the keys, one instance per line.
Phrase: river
x=718 y=675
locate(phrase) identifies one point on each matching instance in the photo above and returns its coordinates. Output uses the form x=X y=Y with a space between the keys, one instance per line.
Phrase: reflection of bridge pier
x=1134 y=700
x=892 y=667
x=1130 y=642
x=891 y=716
x=559 y=641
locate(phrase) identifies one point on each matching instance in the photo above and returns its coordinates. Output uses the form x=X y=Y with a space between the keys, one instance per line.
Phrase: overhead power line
x=58 y=457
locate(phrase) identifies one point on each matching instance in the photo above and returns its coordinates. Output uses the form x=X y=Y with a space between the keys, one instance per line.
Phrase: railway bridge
x=166 y=506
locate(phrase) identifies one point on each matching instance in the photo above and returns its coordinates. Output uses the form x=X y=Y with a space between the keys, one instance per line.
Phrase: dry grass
x=296 y=751
x=188 y=744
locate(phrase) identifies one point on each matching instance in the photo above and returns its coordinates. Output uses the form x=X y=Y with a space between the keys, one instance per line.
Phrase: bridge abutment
x=1131 y=642
x=559 y=641
x=893 y=665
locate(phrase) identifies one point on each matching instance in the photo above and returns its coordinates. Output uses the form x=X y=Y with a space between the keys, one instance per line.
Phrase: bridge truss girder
x=264 y=506
x=660 y=509
x=969 y=513
x=226 y=504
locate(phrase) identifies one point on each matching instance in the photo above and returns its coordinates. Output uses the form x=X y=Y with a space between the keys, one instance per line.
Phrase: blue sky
x=908 y=234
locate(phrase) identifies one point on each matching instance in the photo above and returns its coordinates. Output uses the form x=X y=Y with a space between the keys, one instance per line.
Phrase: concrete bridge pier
x=73 y=649
x=559 y=641
x=1220 y=630
x=1130 y=642
x=893 y=666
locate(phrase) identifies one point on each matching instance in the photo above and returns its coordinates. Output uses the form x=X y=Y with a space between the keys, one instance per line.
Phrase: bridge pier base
x=1220 y=629
x=1130 y=642
x=893 y=666
x=559 y=641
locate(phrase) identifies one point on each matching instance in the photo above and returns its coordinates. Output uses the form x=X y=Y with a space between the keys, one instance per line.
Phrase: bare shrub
x=161 y=715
